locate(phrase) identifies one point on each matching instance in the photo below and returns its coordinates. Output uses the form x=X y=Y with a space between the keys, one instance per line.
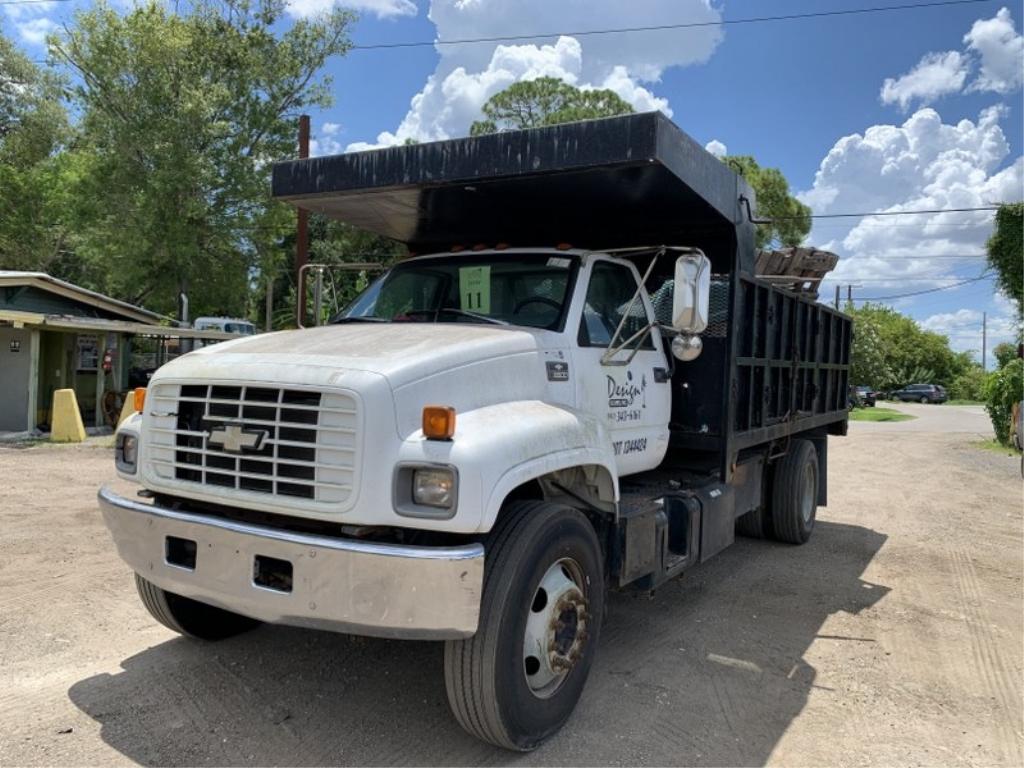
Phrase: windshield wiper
x=474 y=315
x=452 y=311
x=359 y=319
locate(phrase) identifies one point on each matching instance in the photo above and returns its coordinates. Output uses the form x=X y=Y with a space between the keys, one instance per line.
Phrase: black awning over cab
x=633 y=180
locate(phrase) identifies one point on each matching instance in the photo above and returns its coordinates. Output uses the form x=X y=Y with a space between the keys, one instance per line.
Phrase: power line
x=913 y=258
x=663 y=27
x=925 y=211
x=31 y=2
x=930 y=290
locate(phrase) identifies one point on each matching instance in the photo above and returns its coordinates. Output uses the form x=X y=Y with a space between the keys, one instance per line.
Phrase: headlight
x=430 y=491
x=433 y=487
x=126 y=452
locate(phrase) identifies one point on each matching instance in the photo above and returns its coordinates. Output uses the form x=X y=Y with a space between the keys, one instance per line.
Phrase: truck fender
x=541 y=438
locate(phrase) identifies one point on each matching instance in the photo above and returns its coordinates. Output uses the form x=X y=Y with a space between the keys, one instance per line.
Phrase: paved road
x=970 y=419
x=893 y=637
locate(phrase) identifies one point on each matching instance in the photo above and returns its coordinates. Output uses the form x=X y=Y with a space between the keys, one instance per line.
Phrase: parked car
x=867 y=396
x=921 y=393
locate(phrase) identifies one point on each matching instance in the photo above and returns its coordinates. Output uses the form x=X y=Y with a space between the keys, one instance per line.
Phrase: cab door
x=634 y=399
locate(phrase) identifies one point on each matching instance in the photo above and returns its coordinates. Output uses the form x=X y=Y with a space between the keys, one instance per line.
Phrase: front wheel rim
x=556 y=631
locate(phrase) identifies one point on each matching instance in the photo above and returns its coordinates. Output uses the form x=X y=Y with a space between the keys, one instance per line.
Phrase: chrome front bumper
x=342 y=585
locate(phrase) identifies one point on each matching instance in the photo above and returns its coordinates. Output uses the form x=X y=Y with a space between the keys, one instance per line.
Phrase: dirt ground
x=893 y=637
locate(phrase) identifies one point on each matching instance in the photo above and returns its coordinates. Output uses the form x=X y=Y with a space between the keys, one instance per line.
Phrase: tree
x=335 y=244
x=969 y=385
x=791 y=219
x=1006 y=251
x=1004 y=389
x=33 y=126
x=545 y=101
x=1004 y=353
x=908 y=353
x=868 y=365
x=180 y=118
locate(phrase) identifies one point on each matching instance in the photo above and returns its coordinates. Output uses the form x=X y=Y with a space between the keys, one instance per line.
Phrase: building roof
x=73 y=294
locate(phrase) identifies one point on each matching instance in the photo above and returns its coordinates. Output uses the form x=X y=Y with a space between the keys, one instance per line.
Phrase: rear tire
x=755 y=524
x=795 y=493
x=924 y=401
x=517 y=680
x=190 y=617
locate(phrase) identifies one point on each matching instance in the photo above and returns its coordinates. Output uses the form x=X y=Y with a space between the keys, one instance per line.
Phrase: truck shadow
x=709 y=671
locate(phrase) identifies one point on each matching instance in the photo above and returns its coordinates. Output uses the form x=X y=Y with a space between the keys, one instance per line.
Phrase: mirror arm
x=610 y=352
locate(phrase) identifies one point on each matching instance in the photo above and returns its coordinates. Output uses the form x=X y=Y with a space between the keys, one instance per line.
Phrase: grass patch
x=965 y=402
x=996 y=447
x=879 y=414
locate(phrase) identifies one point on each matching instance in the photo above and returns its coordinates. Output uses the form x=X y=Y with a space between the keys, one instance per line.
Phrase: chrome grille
x=283 y=442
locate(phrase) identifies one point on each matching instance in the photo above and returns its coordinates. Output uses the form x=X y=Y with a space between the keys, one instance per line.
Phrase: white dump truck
x=578 y=386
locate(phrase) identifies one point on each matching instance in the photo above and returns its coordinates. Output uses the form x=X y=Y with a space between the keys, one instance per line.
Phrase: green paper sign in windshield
x=475 y=289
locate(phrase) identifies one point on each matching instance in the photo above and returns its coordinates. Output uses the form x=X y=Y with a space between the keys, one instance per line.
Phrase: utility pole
x=270 y=305
x=837 y=296
x=301 y=230
x=849 y=295
x=984 y=341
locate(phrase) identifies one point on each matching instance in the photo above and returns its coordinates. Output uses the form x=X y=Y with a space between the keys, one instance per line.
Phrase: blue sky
x=894 y=111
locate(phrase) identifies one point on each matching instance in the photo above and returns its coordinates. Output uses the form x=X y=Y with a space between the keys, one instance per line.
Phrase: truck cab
x=486 y=440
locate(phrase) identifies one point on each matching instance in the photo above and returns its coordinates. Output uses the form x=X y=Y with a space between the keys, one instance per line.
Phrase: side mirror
x=691 y=293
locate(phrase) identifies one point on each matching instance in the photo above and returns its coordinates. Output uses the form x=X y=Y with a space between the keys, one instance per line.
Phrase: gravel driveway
x=893 y=637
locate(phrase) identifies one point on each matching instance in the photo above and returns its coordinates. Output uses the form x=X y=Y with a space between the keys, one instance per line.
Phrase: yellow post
x=67 y=424
x=128 y=408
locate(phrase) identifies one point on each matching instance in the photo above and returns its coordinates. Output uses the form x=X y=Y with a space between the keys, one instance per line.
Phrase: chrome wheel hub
x=556 y=628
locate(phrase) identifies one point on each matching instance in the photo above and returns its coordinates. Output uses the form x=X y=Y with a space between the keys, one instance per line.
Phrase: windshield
x=505 y=289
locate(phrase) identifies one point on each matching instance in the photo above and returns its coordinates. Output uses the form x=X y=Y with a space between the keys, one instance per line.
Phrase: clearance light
x=139 y=396
x=438 y=422
x=563 y=246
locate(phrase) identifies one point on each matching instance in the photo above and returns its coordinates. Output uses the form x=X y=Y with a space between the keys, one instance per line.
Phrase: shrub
x=969 y=385
x=1004 y=388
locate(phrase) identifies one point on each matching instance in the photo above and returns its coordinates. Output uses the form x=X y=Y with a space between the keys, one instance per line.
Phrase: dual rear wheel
x=792 y=500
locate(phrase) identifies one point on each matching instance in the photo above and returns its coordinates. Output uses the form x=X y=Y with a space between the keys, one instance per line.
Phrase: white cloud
x=34 y=31
x=31 y=22
x=992 y=46
x=329 y=129
x=937 y=74
x=381 y=8
x=1001 y=51
x=923 y=164
x=716 y=148
x=467 y=75
x=964 y=328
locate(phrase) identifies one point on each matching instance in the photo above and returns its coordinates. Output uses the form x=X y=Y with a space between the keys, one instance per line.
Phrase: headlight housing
x=426 y=490
x=126 y=452
x=434 y=487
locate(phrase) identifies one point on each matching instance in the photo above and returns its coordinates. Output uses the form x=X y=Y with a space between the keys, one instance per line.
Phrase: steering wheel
x=537 y=299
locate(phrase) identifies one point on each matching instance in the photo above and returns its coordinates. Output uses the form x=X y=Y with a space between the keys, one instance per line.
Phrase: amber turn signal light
x=139 y=398
x=438 y=422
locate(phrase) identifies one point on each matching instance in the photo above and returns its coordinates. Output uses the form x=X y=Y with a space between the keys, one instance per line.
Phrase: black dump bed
x=774 y=363
x=609 y=183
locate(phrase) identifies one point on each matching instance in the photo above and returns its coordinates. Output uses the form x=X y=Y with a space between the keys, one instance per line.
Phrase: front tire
x=924 y=401
x=795 y=493
x=517 y=680
x=190 y=617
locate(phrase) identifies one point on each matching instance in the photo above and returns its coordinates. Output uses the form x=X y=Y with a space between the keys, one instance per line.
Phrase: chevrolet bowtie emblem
x=234 y=438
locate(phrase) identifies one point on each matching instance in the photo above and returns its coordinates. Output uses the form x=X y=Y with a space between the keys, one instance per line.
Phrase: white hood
x=402 y=352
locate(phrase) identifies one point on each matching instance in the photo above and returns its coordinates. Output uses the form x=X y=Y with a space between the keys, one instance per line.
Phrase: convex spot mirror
x=691 y=292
